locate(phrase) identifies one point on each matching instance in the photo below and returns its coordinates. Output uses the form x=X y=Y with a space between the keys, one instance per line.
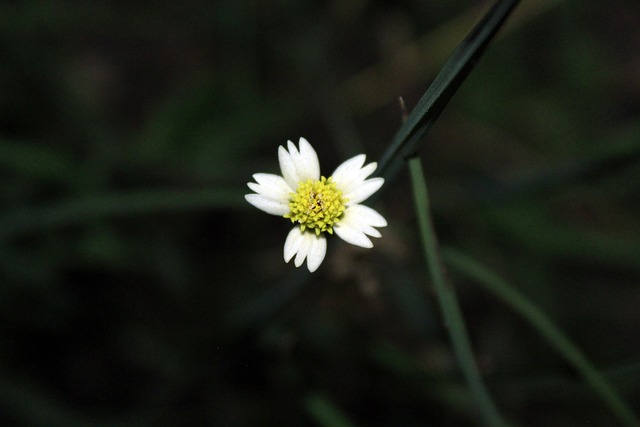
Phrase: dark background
x=137 y=287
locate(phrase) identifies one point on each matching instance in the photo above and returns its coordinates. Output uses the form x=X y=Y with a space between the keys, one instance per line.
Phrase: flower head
x=317 y=205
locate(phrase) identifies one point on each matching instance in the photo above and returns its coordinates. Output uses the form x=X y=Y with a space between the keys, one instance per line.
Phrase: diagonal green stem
x=444 y=86
x=549 y=331
x=448 y=300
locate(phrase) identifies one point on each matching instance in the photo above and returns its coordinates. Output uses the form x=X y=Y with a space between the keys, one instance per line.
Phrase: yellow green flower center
x=317 y=205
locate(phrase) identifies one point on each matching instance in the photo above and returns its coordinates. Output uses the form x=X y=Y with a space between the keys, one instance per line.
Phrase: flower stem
x=448 y=301
x=548 y=330
x=444 y=86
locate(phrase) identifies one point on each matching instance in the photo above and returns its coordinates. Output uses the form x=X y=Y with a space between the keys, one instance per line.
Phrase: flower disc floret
x=317 y=205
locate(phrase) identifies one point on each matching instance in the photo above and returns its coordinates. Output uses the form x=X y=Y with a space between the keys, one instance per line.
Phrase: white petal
x=350 y=234
x=273 y=187
x=288 y=166
x=292 y=244
x=364 y=215
x=303 y=250
x=370 y=231
x=357 y=223
x=348 y=172
x=267 y=205
x=305 y=245
x=363 y=191
x=308 y=165
x=255 y=187
x=271 y=180
x=367 y=170
x=316 y=253
x=350 y=177
x=293 y=152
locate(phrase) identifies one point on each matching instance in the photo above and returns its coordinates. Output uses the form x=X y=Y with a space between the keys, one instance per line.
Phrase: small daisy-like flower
x=318 y=205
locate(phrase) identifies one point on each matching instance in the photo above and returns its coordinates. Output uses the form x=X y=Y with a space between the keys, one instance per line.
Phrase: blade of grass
x=451 y=394
x=549 y=331
x=374 y=87
x=447 y=299
x=557 y=387
x=605 y=161
x=79 y=211
x=530 y=225
x=444 y=86
x=325 y=412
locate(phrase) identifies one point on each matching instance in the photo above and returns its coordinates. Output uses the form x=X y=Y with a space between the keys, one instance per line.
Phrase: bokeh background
x=137 y=287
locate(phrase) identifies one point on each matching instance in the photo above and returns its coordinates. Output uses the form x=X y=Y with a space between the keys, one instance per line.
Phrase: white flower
x=317 y=204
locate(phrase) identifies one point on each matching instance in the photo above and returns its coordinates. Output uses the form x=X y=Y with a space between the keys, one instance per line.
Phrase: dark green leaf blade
x=445 y=84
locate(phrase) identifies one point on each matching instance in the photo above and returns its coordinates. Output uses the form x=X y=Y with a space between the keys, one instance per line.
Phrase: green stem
x=448 y=300
x=448 y=80
x=549 y=331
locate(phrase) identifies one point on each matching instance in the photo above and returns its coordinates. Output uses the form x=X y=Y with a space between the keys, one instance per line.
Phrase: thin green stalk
x=447 y=299
x=444 y=86
x=549 y=331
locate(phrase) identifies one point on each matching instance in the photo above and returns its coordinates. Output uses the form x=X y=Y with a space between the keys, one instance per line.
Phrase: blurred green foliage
x=138 y=288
